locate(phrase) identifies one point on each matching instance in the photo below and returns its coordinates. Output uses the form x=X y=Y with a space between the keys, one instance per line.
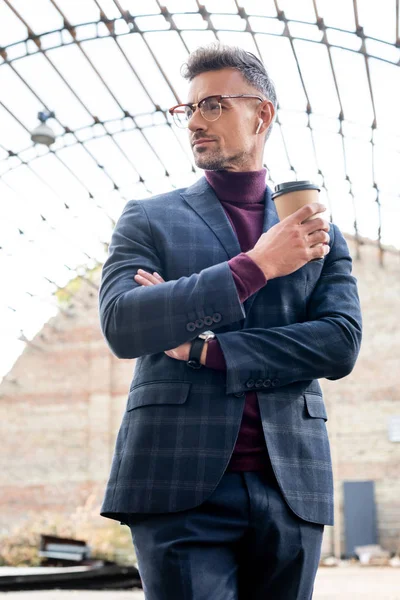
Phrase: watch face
x=206 y=335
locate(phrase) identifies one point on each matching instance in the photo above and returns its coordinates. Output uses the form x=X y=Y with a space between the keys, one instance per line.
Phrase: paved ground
x=343 y=583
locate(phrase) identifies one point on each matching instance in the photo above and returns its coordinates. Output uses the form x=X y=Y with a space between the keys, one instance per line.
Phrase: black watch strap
x=195 y=353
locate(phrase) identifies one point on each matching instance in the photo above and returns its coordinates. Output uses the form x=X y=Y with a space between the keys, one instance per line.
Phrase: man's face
x=230 y=142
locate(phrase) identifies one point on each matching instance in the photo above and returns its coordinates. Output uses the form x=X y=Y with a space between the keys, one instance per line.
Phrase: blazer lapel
x=203 y=200
x=270 y=215
x=270 y=219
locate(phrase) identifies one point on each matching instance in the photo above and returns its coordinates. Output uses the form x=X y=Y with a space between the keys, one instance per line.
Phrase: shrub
x=108 y=539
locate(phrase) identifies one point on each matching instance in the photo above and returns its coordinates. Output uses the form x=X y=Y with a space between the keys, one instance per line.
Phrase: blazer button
x=199 y=323
x=239 y=394
x=259 y=383
x=191 y=327
x=275 y=382
x=208 y=321
x=216 y=317
x=267 y=383
x=250 y=383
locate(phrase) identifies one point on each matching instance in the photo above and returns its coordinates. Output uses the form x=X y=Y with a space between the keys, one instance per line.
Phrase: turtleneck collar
x=238 y=187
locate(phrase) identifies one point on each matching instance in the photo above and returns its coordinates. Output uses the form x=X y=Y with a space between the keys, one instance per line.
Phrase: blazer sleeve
x=325 y=345
x=138 y=320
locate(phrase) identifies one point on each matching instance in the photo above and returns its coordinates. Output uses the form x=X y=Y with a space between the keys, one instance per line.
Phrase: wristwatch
x=197 y=348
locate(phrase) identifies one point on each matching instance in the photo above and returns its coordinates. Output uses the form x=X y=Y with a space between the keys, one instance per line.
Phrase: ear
x=267 y=115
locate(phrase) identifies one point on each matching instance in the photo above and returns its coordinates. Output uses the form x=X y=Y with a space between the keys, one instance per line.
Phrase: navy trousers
x=242 y=543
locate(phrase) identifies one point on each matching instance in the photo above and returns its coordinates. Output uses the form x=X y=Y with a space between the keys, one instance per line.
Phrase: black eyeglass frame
x=193 y=106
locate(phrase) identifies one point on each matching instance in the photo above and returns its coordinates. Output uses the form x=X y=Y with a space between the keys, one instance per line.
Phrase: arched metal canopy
x=110 y=69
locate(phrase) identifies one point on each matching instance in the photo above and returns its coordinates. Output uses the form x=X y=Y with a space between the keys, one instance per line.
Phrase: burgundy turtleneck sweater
x=242 y=195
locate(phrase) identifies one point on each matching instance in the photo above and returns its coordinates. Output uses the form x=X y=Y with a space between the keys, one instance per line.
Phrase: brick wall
x=360 y=405
x=61 y=405
x=60 y=408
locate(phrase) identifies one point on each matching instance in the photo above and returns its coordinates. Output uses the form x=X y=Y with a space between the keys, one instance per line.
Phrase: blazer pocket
x=315 y=406
x=158 y=392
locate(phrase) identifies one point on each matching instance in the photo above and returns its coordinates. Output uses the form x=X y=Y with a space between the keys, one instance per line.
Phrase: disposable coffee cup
x=292 y=195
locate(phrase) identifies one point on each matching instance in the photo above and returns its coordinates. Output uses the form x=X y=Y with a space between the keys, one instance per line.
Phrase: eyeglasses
x=210 y=108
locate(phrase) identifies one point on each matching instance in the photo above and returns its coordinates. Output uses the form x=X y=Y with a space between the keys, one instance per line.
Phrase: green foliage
x=107 y=539
x=64 y=295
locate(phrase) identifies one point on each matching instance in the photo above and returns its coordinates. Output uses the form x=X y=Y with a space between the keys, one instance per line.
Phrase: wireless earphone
x=260 y=122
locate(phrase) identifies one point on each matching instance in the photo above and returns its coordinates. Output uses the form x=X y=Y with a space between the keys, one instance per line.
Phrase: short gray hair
x=219 y=56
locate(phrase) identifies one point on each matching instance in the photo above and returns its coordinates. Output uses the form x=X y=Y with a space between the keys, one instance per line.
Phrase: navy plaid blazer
x=180 y=424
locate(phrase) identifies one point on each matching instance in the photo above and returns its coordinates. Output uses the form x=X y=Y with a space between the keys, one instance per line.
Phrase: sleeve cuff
x=215 y=357
x=247 y=275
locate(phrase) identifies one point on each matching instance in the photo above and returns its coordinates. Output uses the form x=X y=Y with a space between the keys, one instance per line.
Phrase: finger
x=315 y=224
x=319 y=251
x=157 y=276
x=143 y=281
x=148 y=276
x=307 y=211
x=318 y=237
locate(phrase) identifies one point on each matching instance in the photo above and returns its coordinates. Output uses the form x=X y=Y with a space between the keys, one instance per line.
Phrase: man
x=222 y=466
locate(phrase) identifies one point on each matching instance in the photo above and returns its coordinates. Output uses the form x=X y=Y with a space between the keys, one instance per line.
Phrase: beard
x=215 y=161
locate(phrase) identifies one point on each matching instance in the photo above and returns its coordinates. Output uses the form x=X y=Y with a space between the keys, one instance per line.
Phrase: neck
x=239 y=187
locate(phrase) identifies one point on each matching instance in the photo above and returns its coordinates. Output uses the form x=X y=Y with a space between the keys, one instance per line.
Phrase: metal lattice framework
x=109 y=69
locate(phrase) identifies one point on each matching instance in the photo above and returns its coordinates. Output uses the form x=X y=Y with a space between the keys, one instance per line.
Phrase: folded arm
x=138 y=320
x=326 y=345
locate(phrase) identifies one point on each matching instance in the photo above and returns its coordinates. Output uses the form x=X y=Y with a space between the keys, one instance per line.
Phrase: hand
x=293 y=242
x=180 y=353
x=148 y=279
